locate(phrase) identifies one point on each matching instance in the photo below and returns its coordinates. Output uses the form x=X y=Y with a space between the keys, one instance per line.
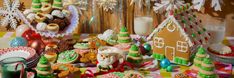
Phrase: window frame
x=182 y=46
x=158 y=42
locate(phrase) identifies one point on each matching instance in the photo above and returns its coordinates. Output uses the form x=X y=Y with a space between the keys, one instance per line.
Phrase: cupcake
x=46 y=8
x=40 y=17
x=41 y=26
x=52 y=27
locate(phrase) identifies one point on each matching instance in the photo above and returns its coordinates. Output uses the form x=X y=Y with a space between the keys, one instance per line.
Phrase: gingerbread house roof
x=188 y=24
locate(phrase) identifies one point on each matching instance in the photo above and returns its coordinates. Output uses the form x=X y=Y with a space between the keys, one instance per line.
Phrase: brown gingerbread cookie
x=65 y=70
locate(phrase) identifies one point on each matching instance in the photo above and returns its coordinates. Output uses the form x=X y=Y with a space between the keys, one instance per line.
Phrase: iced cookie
x=81 y=46
x=66 y=13
x=68 y=56
x=51 y=46
x=44 y=68
x=123 y=36
x=31 y=16
x=49 y=16
x=51 y=55
x=27 y=11
x=134 y=56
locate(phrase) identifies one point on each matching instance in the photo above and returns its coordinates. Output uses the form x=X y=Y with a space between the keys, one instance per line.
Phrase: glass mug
x=13 y=67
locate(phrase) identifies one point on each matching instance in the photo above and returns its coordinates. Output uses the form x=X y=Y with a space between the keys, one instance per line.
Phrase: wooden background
x=104 y=20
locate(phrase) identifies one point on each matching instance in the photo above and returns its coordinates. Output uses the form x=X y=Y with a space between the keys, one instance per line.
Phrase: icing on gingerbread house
x=178 y=36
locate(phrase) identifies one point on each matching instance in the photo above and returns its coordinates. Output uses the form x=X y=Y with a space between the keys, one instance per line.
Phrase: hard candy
x=142 y=50
x=18 y=41
x=147 y=47
x=169 y=68
x=165 y=63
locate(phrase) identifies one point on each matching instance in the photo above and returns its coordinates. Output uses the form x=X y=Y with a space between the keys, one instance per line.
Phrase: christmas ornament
x=18 y=41
x=37 y=45
x=142 y=50
x=31 y=35
x=167 y=5
x=21 y=29
x=216 y=4
x=10 y=12
x=165 y=63
x=108 y=5
x=147 y=46
x=169 y=68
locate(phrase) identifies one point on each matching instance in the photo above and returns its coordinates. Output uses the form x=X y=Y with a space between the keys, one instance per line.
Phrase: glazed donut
x=46 y=8
x=40 y=17
x=53 y=27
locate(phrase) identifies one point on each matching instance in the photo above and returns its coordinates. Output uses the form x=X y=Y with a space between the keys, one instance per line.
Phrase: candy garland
x=216 y=4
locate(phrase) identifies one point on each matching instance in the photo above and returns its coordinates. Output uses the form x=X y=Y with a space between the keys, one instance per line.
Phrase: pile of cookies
x=48 y=15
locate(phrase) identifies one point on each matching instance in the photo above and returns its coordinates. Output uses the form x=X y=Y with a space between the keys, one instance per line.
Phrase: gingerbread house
x=178 y=36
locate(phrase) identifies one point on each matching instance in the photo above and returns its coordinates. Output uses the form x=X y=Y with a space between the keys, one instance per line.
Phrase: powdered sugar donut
x=57 y=13
x=31 y=16
x=27 y=11
x=66 y=13
x=49 y=16
x=41 y=26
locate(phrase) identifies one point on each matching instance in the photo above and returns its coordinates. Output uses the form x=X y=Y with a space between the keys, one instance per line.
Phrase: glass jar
x=13 y=67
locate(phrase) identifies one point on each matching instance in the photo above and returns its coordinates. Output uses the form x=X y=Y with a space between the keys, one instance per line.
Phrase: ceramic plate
x=25 y=52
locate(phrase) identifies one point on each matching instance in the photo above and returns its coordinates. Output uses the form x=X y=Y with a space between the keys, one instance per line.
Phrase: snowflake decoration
x=107 y=4
x=167 y=5
x=10 y=11
x=216 y=4
x=81 y=4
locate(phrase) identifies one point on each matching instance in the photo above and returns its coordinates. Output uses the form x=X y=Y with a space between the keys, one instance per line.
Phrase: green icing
x=207 y=68
x=58 y=5
x=43 y=69
x=201 y=50
x=123 y=35
x=43 y=60
x=45 y=1
x=67 y=56
x=134 y=48
x=134 y=61
x=119 y=74
x=36 y=1
x=206 y=76
x=124 y=41
x=123 y=29
x=180 y=60
x=45 y=76
x=38 y=6
x=133 y=54
x=207 y=61
x=158 y=56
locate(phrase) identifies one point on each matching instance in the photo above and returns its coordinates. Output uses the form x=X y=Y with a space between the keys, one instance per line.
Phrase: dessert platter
x=51 y=20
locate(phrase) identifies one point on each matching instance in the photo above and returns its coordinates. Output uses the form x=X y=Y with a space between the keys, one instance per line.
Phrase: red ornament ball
x=31 y=35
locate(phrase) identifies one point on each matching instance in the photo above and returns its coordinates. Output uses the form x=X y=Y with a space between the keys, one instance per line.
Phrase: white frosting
x=66 y=13
x=27 y=11
x=31 y=16
x=220 y=48
x=41 y=26
x=57 y=13
x=49 y=16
